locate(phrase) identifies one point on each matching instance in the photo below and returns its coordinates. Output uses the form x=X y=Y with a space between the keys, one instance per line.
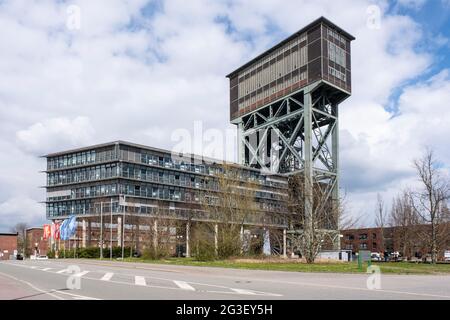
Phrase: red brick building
x=367 y=239
x=35 y=242
x=8 y=245
x=412 y=241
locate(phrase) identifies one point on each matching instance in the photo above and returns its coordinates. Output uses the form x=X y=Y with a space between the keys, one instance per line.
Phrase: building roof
x=136 y=145
x=35 y=228
x=296 y=34
x=9 y=234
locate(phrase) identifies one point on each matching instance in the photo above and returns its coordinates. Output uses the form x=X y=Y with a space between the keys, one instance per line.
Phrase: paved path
x=57 y=279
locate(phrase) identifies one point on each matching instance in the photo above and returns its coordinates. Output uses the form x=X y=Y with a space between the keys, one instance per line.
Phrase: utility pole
x=110 y=231
x=123 y=224
x=101 y=230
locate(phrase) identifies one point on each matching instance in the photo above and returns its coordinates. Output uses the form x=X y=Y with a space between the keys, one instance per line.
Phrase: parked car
x=41 y=258
x=19 y=257
x=375 y=256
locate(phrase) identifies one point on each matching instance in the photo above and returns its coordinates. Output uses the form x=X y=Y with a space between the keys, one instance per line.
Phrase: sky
x=75 y=73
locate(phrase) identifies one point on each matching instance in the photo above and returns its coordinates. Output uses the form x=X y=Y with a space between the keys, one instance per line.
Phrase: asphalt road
x=58 y=279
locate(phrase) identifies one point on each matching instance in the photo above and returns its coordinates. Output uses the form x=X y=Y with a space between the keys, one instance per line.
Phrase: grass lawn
x=286 y=265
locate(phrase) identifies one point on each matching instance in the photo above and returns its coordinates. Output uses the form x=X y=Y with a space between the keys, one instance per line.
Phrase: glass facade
x=149 y=175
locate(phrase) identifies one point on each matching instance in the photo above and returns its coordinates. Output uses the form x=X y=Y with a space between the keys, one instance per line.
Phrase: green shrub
x=204 y=251
x=152 y=254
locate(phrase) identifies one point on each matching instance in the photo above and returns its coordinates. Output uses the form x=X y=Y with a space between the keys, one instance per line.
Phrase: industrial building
x=8 y=245
x=123 y=181
x=285 y=105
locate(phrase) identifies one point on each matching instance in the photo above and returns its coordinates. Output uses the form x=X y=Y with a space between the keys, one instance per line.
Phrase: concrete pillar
x=188 y=231
x=155 y=234
x=284 y=244
x=83 y=234
x=216 y=238
x=119 y=231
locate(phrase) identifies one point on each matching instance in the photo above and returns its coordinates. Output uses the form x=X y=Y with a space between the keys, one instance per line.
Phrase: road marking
x=77 y=296
x=32 y=286
x=46 y=269
x=184 y=285
x=107 y=276
x=80 y=274
x=139 y=281
x=33 y=267
x=62 y=271
x=243 y=291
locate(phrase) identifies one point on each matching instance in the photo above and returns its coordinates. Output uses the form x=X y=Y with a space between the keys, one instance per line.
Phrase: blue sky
x=143 y=70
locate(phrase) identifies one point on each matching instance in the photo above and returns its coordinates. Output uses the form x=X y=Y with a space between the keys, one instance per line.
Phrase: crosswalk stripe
x=140 y=281
x=33 y=267
x=80 y=274
x=46 y=269
x=62 y=271
x=107 y=276
x=184 y=285
x=243 y=291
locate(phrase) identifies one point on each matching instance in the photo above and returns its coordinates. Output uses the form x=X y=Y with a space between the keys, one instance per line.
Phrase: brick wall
x=8 y=243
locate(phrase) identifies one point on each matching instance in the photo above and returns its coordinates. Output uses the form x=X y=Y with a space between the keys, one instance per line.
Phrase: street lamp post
x=101 y=230
x=110 y=231
x=123 y=225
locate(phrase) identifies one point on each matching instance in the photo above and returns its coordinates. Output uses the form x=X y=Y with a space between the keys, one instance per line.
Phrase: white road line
x=46 y=269
x=77 y=296
x=139 y=281
x=243 y=291
x=33 y=267
x=107 y=276
x=184 y=285
x=62 y=271
x=80 y=274
x=32 y=286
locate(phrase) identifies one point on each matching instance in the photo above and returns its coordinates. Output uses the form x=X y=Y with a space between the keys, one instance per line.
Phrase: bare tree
x=318 y=228
x=430 y=202
x=380 y=218
x=229 y=202
x=405 y=223
x=347 y=220
x=21 y=229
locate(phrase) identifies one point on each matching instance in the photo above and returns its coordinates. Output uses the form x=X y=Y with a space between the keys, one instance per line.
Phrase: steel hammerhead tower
x=285 y=103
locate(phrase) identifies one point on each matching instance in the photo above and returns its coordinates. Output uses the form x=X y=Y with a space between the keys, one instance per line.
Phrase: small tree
x=380 y=218
x=21 y=230
x=228 y=203
x=318 y=227
x=430 y=201
x=405 y=223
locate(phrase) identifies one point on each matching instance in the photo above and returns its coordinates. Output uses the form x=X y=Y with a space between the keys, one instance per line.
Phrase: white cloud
x=127 y=76
x=52 y=134
x=21 y=209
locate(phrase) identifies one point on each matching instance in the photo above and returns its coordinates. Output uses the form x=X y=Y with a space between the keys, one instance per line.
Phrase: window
x=336 y=54
x=363 y=236
x=374 y=235
x=335 y=73
x=350 y=237
x=363 y=245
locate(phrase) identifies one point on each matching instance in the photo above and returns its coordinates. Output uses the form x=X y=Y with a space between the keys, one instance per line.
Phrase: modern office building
x=122 y=180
